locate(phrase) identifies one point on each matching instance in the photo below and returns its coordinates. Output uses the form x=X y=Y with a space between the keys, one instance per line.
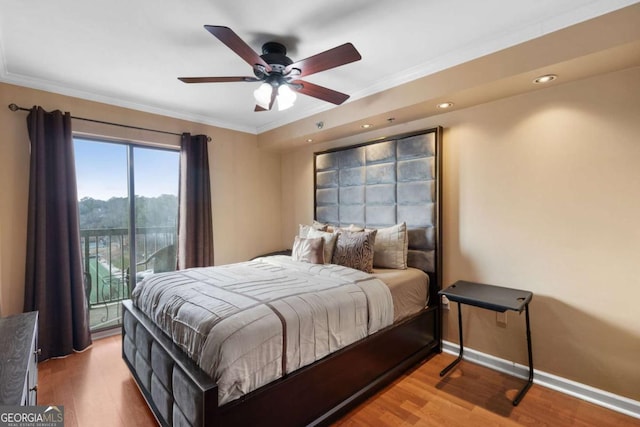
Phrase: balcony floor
x=105 y=316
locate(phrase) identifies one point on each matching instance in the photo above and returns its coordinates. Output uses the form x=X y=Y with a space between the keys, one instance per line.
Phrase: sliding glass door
x=128 y=199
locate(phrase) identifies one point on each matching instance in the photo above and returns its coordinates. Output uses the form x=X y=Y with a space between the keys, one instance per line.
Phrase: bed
x=372 y=186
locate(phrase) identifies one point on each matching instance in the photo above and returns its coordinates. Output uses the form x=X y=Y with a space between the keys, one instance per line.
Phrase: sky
x=101 y=170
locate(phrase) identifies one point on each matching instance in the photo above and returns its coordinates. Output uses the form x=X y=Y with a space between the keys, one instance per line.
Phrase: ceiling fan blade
x=217 y=79
x=321 y=92
x=236 y=44
x=273 y=100
x=326 y=60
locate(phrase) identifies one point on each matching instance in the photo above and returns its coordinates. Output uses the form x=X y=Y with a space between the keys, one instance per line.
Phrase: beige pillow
x=303 y=229
x=320 y=226
x=308 y=250
x=324 y=227
x=391 y=247
x=355 y=250
x=352 y=227
x=308 y=231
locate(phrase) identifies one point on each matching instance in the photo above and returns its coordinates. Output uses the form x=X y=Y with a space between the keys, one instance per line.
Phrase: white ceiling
x=129 y=53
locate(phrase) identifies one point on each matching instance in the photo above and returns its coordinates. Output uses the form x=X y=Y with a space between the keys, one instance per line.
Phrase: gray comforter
x=246 y=324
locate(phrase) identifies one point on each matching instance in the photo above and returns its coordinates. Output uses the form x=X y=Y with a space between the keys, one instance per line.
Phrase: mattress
x=248 y=324
x=409 y=290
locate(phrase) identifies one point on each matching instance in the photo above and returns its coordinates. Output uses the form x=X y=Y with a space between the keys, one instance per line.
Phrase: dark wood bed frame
x=180 y=393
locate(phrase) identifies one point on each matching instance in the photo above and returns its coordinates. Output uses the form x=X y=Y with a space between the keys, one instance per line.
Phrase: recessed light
x=444 y=105
x=366 y=126
x=309 y=140
x=545 y=79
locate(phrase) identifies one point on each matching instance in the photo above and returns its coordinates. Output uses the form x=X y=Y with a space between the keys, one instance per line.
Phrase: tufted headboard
x=383 y=183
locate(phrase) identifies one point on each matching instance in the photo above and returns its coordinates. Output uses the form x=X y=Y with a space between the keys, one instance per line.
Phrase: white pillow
x=303 y=229
x=329 y=240
x=319 y=226
x=391 y=247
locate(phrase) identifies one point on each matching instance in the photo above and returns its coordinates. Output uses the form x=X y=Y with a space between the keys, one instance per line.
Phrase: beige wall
x=245 y=180
x=541 y=192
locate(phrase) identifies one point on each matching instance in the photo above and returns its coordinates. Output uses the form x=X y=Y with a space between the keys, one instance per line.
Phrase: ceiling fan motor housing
x=275 y=54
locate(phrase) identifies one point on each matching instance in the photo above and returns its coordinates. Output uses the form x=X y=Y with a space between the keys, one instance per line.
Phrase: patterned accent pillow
x=391 y=247
x=308 y=250
x=355 y=250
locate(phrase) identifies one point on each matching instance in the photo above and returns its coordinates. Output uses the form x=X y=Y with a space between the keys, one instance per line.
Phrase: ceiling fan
x=280 y=76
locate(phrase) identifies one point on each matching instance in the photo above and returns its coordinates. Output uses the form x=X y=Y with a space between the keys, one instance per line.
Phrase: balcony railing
x=107 y=267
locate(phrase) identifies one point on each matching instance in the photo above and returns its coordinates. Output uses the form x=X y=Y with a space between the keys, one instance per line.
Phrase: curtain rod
x=14 y=107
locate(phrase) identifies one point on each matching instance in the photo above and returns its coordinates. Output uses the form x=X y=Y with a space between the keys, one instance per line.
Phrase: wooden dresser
x=19 y=359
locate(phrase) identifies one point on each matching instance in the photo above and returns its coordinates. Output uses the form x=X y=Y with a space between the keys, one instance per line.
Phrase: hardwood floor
x=472 y=395
x=96 y=389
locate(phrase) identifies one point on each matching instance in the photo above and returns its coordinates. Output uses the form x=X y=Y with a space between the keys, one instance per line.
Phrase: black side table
x=496 y=298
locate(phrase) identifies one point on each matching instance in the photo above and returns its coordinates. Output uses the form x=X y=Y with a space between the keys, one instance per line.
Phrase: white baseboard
x=596 y=396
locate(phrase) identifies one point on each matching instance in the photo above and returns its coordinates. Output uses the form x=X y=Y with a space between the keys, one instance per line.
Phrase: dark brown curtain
x=54 y=279
x=195 y=229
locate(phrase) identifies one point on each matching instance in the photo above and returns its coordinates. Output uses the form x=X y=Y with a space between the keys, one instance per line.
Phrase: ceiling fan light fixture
x=263 y=95
x=286 y=97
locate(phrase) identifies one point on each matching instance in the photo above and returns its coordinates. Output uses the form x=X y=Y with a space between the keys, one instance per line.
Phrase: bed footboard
x=180 y=394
